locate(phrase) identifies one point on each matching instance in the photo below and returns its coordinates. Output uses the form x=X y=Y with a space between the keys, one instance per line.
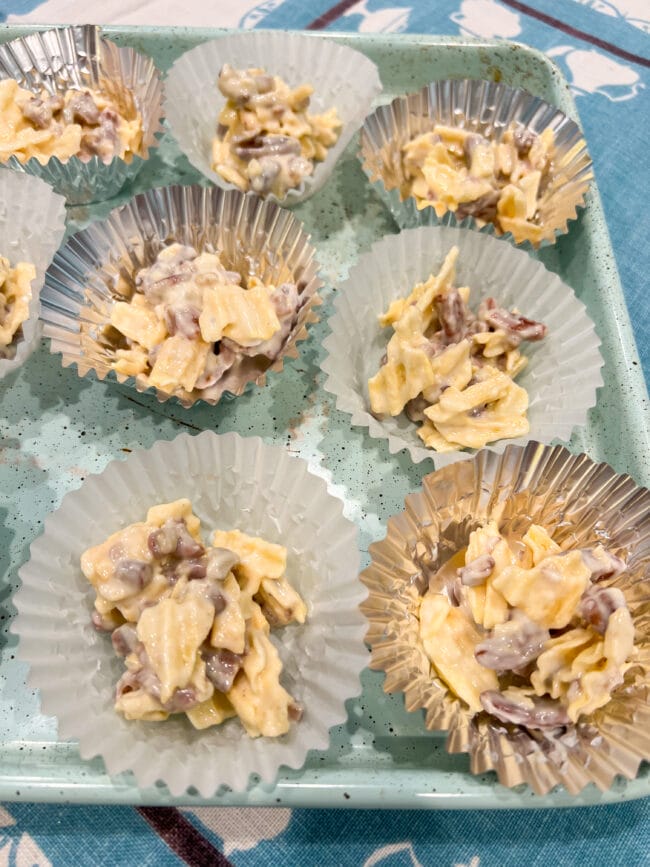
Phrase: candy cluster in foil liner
x=32 y=223
x=580 y=503
x=482 y=107
x=564 y=369
x=252 y=237
x=341 y=78
x=232 y=482
x=77 y=58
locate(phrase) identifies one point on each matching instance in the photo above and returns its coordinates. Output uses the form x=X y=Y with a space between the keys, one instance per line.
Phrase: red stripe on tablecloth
x=573 y=31
x=341 y=8
x=183 y=838
x=331 y=15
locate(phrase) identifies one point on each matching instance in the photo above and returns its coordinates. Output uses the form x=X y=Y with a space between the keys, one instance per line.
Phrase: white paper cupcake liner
x=341 y=77
x=79 y=57
x=32 y=223
x=232 y=482
x=483 y=107
x=564 y=369
x=254 y=237
x=581 y=504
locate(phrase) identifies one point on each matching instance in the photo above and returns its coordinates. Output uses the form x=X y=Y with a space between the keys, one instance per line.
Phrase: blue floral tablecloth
x=603 y=48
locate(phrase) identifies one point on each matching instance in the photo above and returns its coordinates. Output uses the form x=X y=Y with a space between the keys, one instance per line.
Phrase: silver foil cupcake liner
x=32 y=223
x=232 y=482
x=253 y=237
x=482 y=107
x=342 y=78
x=78 y=57
x=580 y=503
x=564 y=369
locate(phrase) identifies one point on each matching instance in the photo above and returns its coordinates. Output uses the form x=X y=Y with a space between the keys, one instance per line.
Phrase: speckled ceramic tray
x=58 y=428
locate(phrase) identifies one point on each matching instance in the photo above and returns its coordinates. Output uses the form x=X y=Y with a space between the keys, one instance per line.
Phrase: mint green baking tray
x=57 y=429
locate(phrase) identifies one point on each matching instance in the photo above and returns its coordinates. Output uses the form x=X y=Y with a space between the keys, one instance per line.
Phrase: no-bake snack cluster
x=78 y=111
x=192 y=621
x=478 y=151
x=269 y=112
x=494 y=181
x=81 y=123
x=190 y=320
x=453 y=370
x=267 y=141
x=507 y=602
x=527 y=631
x=15 y=295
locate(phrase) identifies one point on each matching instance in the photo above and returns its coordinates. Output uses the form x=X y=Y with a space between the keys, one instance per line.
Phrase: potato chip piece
x=449 y=639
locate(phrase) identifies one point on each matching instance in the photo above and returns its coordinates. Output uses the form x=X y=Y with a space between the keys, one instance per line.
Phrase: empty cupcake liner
x=78 y=57
x=564 y=369
x=252 y=237
x=232 y=482
x=32 y=223
x=483 y=107
x=341 y=77
x=580 y=503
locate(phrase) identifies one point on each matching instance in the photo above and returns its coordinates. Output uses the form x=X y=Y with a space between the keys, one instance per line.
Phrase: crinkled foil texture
x=564 y=370
x=252 y=237
x=232 y=482
x=483 y=107
x=341 y=77
x=78 y=57
x=581 y=503
x=32 y=223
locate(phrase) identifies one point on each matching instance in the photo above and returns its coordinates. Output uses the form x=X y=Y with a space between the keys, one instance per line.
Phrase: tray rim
x=303 y=788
